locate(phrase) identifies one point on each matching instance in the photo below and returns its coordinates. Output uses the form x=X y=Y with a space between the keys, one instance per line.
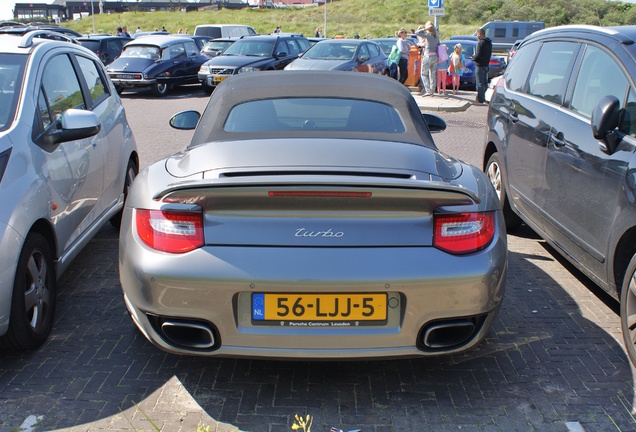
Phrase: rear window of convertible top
x=318 y=114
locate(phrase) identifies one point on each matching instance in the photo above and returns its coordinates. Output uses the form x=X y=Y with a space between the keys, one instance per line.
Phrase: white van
x=224 y=30
x=504 y=34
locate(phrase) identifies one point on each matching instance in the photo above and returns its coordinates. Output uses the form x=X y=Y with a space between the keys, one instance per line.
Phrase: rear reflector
x=175 y=232
x=319 y=194
x=462 y=233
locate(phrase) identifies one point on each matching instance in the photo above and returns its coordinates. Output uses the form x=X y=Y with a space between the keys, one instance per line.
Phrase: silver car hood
x=223 y=158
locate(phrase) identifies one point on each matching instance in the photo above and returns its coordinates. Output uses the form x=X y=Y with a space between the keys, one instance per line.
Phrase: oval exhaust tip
x=188 y=335
x=448 y=335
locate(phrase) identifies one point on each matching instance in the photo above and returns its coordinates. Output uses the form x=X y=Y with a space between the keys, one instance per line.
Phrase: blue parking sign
x=435 y=3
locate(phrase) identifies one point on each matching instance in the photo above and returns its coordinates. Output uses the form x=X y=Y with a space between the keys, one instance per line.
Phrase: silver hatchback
x=67 y=159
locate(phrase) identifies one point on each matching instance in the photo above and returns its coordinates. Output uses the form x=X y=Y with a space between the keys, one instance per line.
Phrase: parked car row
x=303 y=140
x=296 y=167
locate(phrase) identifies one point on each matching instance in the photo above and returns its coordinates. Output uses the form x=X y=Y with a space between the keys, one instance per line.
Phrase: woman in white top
x=403 y=65
x=428 y=41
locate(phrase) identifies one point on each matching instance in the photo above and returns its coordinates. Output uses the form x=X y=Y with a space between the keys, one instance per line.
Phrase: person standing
x=403 y=64
x=442 y=73
x=483 y=52
x=428 y=41
x=456 y=67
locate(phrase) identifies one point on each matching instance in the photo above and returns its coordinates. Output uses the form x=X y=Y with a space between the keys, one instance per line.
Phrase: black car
x=252 y=54
x=107 y=47
x=199 y=40
x=561 y=152
x=158 y=62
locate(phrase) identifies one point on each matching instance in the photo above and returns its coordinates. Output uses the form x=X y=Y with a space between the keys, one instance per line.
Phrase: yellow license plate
x=319 y=307
x=219 y=78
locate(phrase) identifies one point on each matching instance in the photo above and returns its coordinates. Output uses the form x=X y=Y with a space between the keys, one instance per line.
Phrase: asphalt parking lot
x=554 y=360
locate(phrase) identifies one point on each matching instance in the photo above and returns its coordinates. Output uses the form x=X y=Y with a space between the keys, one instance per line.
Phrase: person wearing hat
x=428 y=41
x=456 y=67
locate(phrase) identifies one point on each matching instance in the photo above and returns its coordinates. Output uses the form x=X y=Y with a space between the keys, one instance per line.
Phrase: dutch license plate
x=319 y=307
x=218 y=78
x=126 y=76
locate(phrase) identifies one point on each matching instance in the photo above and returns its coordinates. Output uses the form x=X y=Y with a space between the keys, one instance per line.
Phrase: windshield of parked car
x=11 y=76
x=141 y=51
x=317 y=114
x=247 y=47
x=330 y=51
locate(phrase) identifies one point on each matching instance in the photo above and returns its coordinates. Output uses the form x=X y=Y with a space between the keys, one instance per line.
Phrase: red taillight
x=462 y=233
x=169 y=231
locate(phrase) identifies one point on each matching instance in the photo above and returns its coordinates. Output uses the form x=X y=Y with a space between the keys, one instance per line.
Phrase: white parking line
x=30 y=423
x=574 y=427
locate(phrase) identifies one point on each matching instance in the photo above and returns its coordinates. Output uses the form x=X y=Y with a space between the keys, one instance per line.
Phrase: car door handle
x=514 y=116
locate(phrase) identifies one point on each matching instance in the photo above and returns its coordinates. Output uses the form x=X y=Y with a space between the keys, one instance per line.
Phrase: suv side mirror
x=605 y=119
x=281 y=54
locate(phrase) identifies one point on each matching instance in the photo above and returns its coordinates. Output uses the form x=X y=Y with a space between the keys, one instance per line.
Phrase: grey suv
x=561 y=152
x=67 y=159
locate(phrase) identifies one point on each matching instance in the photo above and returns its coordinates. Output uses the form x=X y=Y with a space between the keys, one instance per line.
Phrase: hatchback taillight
x=462 y=233
x=170 y=231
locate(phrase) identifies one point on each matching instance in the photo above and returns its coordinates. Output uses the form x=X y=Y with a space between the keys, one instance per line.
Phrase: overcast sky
x=6 y=9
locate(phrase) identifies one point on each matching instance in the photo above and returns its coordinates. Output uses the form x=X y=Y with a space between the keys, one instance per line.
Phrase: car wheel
x=131 y=173
x=628 y=310
x=493 y=171
x=159 y=89
x=207 y=89
x=34 y=296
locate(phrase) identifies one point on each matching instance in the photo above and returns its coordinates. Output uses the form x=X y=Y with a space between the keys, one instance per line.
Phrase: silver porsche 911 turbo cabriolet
x=312 y=217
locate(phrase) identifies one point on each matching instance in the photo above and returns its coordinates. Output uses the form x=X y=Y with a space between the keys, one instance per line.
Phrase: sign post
x=436 y=10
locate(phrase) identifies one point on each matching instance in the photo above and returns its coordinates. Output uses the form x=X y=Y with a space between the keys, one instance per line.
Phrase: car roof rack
x=27 y=39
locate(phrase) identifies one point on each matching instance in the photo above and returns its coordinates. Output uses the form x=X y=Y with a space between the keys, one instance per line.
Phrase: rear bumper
x=211 y=289
x=133 y=83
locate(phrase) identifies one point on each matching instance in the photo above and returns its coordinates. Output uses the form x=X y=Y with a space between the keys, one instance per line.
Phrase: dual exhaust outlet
x=437 y=335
